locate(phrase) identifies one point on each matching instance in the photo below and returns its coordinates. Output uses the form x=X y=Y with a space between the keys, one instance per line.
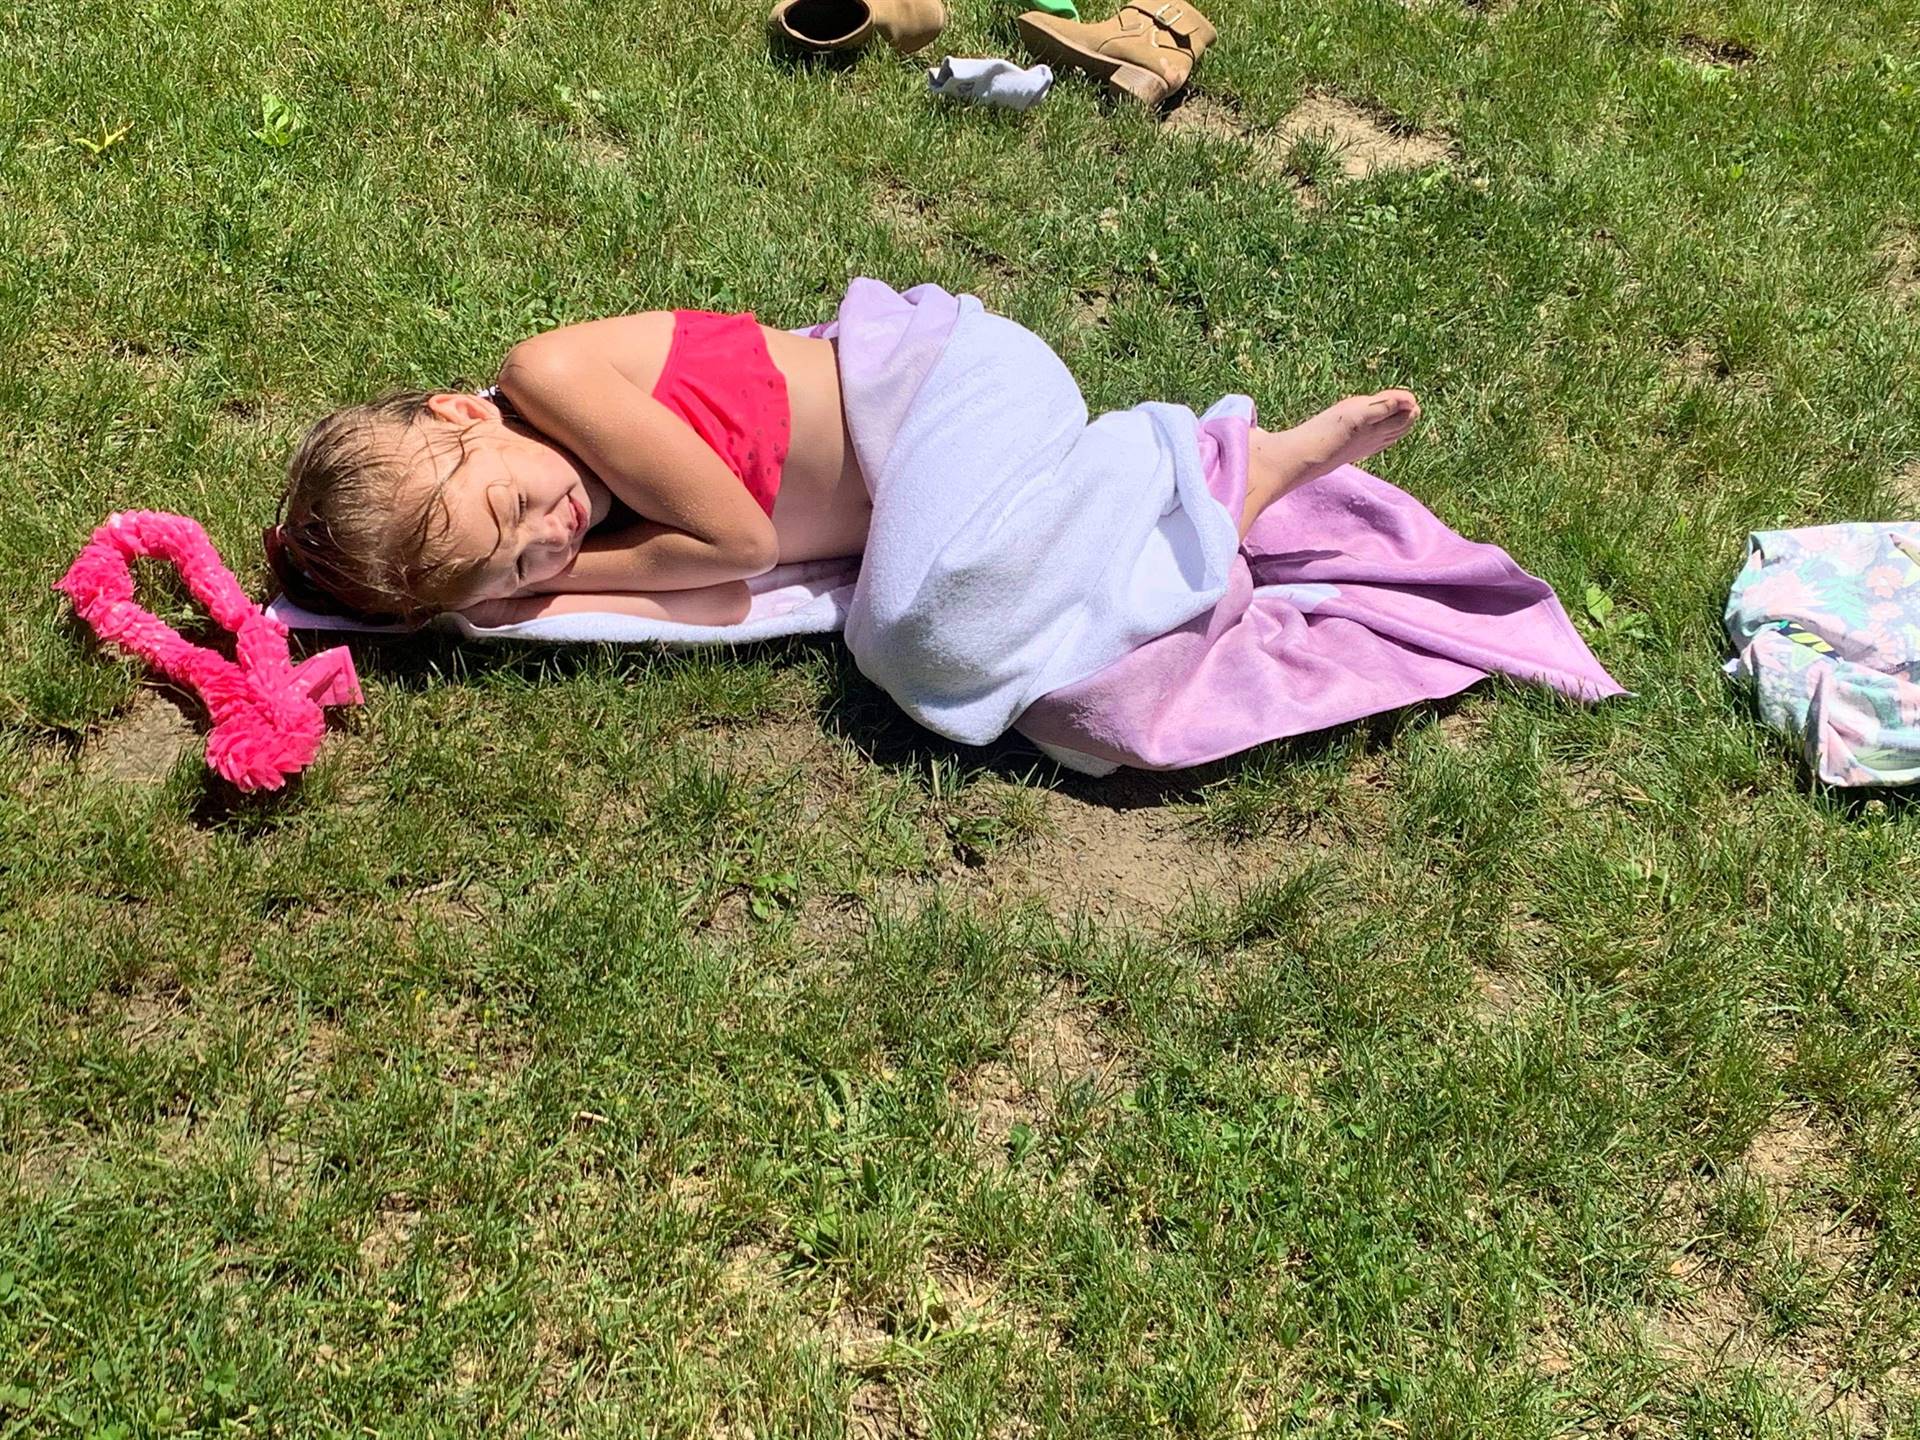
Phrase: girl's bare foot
x=1342 y=434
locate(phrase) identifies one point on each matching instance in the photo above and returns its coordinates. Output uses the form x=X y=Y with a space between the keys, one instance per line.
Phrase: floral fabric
x=1827 y=624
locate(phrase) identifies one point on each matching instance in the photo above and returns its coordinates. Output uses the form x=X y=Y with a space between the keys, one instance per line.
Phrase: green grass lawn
x=627 y=1044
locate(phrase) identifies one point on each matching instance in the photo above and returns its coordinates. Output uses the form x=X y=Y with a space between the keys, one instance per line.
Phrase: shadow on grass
x=852 y=708
x=798 y=60
x=858 y=711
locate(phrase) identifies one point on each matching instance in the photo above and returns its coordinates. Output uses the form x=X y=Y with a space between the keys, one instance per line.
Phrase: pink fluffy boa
x=267 y=711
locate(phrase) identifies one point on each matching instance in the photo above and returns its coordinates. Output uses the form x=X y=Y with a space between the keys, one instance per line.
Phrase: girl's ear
x=462 y=409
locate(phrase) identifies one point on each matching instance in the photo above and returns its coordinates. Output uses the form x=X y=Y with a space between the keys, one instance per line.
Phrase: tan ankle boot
x=1147 y=51
x=907 y=25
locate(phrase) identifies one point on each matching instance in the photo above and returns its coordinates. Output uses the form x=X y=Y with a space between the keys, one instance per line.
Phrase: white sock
x=990 y=82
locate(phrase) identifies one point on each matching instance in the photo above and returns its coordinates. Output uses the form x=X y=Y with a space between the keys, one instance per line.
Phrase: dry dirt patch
x=388 y=1240
x=1797 y=1164
x=960 y=1299
x=153 y=1014
x=749 y=1269
x=1899 y=256
x=142 y=745
x=1695 y=359
x=1716 y=1330
x=908 y=215
x=1499 y=995
x=601 y=152
x=880 y=1412
x=1720 y=53
x=1906 y=487
x=1213 y=119
x=769 y=748
x=1089 y=309
x=1135 y=862
x=1360 y=142
x=1785 y=1151
x=1055 y=1048
x=854 y=1338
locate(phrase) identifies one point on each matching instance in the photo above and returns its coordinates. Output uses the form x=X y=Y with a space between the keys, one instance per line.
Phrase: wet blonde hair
x=356 y=530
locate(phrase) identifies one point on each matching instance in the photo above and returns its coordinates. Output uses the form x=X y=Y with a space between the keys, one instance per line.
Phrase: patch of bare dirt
x=1719 y=52
x=46 y=1169
x=601 y=152
x=1206 y=117
x=156 y=366
x=1798 y=1165
x=388 y=1239
x=882 y=1412
x=1089 y=309
x=749 y=1269
x=775 y=745
x=1906 y=487
x=1462 y=729
x=1057 y=1046
x=1717 y=1329
x=908 y=215
x=153 y=1013
x=1785 y=1152
x=1212 y=118
x=259 y=414
x=1550 y=1354
x=854 y=1337
x=476 y=1045
x=1719 y=1326
x=1136 y=863
x=1694 y=359
x=1499 y=995
x=1899 y=257
x=142 y=745
x=1714 y=1322
x=690 y=1192
x=959 y=1298
x=1361 y=143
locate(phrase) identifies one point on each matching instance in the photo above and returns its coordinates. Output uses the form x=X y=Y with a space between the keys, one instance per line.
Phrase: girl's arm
x=710 y=605
x=700 y=525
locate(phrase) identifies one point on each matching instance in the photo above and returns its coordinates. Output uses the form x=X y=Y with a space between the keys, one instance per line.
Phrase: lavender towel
x=1348 y=598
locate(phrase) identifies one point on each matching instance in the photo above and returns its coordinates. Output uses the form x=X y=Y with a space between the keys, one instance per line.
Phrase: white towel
x=1016 y=547
x=809 y=599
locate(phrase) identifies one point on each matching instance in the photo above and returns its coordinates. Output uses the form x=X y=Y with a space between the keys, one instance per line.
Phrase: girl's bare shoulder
x=635 y=345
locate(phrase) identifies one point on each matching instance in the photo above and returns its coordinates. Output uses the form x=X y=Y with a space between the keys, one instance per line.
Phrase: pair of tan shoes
x=1147 y=51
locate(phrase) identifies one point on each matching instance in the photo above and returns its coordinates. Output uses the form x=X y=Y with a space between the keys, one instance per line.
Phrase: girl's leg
x=1342 y=434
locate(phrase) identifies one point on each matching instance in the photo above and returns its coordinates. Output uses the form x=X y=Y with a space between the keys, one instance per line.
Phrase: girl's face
x=516 y=505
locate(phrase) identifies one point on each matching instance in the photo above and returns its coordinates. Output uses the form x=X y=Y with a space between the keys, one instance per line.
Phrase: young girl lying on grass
x=647 y=465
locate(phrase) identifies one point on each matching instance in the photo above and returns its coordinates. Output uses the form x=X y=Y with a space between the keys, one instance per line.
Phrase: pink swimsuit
x=720 y=379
